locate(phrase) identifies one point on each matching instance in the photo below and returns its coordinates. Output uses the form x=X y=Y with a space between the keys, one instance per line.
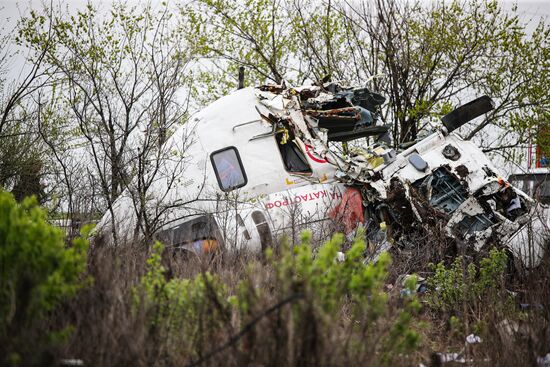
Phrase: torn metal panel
x=467 y=112
x=442 y=190
x=450 y=176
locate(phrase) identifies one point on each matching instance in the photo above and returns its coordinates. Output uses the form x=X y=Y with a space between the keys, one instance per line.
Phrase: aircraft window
x=228 y=168
x=199 y=234
x=293 y=158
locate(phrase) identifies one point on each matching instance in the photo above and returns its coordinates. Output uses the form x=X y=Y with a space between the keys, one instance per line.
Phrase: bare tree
x=441 y=55
x=120 y=77
x=21 y=163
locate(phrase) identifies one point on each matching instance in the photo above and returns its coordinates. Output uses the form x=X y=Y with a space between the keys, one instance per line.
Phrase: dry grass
x=110 y=331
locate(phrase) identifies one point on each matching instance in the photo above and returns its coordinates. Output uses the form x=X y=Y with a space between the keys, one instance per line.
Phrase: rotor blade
x=461 y=115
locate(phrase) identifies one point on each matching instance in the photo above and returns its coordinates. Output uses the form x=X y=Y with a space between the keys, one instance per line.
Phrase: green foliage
x=228 y=34
x=37 y=270
x=424 y=57
x=21 y=162
x=467 y=284
x=328 y=282
x=181 y=312
x=330 y=286
x=312 y=291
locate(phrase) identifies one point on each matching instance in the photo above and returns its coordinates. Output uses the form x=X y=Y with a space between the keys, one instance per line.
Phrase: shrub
x=182 y=313
x=352 y=290
x=463 y=284
x=37 y=272
x=472 y=298
x=300 y=308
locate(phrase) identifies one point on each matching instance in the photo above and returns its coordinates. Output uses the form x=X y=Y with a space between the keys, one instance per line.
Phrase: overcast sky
x=12 y=10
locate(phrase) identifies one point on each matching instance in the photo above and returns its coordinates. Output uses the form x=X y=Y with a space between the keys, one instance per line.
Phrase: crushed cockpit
x=441 y=176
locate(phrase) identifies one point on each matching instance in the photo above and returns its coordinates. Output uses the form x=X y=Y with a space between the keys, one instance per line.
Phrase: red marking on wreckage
x=313 y=158
x=297 y=199
x=349 y=210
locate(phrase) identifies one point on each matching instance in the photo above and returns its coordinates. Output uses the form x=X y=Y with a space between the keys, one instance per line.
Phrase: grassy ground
x=157 y=307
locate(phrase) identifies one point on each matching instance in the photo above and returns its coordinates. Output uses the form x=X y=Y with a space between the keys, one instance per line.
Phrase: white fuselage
x=285 y=198
x=243 y=178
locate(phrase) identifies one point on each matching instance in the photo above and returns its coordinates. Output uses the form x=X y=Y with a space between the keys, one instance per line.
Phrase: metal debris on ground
x=473 y=339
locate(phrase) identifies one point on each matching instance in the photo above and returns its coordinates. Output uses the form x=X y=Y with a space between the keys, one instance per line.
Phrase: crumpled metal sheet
x=478 y=205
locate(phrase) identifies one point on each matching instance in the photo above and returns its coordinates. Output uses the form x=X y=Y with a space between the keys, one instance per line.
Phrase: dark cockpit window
x=228 y=168
x=293 y=157
x=200 y=234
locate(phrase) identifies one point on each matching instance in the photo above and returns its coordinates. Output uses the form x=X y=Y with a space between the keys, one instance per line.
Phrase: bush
x=183 y=314
x=298 y=309
x=469 y=286
x=472 y=298
x=37 y=273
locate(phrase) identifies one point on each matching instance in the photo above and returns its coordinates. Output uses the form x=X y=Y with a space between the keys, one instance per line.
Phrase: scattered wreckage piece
x=458 y=117
x=475 y=203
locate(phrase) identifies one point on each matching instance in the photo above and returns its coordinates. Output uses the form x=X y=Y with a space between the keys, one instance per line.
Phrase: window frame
x=241 y=167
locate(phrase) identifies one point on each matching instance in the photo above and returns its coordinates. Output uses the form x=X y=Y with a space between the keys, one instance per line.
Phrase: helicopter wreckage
x=439 y=182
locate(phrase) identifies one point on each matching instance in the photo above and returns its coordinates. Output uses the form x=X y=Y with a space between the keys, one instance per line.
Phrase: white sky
x=530 y=11
x=11 y=10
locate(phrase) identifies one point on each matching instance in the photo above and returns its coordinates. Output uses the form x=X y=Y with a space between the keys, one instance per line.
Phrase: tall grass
x=297 y=305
